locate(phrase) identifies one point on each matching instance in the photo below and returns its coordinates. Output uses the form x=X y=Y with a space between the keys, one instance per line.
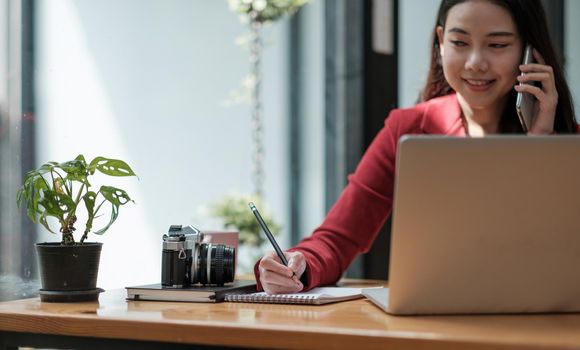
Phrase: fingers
x=546 y=100
x=535 y=76
x=297 y=263
x=545 y=93
x=275 y=289
x=535 y=67
x=537 y=72
x=276 y=284
x=272 y=263
x=277 y=278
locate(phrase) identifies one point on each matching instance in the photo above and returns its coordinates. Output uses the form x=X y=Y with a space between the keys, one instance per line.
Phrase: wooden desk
x=116 y=323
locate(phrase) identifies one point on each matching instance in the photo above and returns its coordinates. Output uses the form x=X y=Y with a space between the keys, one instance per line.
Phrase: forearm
x=349 y=230
x=356 y=218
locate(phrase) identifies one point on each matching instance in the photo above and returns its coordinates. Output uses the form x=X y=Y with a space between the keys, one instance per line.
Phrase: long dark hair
x=530 y=19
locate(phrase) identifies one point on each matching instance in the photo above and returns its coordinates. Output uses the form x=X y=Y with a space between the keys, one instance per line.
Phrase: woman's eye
x=498 y=46
x=458 y=43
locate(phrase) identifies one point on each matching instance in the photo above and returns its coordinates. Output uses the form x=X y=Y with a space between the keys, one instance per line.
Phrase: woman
x=471 y=91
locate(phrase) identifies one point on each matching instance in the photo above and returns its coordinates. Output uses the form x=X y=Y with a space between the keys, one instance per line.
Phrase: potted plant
x=69 y=269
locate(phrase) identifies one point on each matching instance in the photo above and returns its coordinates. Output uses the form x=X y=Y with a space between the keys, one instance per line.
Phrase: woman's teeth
x=478 y=82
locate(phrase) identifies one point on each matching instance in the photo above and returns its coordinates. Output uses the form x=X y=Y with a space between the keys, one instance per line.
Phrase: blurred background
x=152 y=82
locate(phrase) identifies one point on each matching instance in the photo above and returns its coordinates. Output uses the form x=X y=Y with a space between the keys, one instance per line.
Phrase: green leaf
x=115 y=195
x=30 y=192
x=74 y=165
x=89 y=199
x=45 y=168
x=112 y=167
x=30 y=210
x=37 y=188
x=76 y=169
x=44 y=222
x=19 y=196
x=114 y=215
x=81 y=158
x=56 y=204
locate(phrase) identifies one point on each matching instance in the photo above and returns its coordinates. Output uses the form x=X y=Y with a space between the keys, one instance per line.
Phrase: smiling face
x=480 y=51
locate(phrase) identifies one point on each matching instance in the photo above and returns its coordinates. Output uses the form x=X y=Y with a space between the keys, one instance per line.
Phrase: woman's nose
x=477 y=61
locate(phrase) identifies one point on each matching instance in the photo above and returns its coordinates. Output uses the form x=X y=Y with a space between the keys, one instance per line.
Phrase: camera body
x=187 y=260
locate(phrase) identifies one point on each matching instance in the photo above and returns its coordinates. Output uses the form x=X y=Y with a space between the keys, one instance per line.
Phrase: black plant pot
x=68 y=273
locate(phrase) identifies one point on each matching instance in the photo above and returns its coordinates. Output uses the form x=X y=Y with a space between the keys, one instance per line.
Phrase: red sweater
x=366 y=202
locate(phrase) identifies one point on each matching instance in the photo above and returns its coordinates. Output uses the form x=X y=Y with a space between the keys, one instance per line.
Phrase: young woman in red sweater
x=471 y=90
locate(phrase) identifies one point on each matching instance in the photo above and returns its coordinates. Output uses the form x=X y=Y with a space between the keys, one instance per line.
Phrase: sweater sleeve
x=355 y=219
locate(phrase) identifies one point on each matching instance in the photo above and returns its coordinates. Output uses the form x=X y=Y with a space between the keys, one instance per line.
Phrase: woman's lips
x=479 y=84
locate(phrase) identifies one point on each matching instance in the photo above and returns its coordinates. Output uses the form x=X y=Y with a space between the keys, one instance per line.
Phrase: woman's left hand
x=546 y=94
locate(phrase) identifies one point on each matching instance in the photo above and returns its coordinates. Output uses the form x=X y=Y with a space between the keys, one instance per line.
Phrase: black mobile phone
x=525 y=102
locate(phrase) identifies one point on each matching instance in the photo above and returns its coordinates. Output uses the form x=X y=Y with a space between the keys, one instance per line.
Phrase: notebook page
x=321 y=295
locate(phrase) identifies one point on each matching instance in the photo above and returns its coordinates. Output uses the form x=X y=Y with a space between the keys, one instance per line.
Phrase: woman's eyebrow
x=457 y=30
x=492 y=34
x=501 y=34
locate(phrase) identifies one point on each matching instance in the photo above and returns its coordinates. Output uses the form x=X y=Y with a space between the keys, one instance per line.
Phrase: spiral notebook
x=316 y=296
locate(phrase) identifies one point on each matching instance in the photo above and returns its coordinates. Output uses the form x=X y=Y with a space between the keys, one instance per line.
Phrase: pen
x=268 y=234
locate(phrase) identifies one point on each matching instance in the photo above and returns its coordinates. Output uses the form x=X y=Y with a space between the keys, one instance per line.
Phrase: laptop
x=484 y=225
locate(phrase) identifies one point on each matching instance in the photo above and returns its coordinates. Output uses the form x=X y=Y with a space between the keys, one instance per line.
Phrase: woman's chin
x=480 y=101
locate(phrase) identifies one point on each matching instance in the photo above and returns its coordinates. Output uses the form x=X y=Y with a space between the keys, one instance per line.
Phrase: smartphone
x=525 y=102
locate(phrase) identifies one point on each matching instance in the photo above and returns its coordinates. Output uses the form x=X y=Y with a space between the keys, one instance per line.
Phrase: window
x=17 y=234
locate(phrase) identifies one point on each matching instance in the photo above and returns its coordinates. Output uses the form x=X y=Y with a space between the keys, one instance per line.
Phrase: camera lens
x=215 y=264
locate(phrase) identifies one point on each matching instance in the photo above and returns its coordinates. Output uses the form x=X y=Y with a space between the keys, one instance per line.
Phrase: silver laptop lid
x=486 y=225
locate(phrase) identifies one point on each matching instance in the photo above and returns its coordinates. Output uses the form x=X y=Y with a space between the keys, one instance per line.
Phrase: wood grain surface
x=354 y=324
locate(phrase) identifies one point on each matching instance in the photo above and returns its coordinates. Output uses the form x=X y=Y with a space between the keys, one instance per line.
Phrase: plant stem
x=87 y=229
x=78 y=199
x=99 y=207
x=72 y=214
x=70 y=187
x=52 y=171
x=67 y=233
x=85 y=234
x=45 y=182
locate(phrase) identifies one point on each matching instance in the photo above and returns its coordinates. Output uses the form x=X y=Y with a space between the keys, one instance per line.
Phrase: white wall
x=145 y=81
x=416 y=21
x=572 y=50
x=312 y=117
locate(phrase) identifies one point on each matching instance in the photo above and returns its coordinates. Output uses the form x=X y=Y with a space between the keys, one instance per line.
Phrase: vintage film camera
x=187 y=260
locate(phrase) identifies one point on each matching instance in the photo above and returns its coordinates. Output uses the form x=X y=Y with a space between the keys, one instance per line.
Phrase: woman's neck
x=481 y=121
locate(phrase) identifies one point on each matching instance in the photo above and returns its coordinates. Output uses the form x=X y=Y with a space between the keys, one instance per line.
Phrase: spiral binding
x=271 y=299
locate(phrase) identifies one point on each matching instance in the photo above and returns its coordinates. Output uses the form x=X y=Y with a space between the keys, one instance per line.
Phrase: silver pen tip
x=252 y=206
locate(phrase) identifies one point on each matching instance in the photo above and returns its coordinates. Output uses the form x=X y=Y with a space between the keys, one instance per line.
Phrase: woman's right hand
x=279 y=279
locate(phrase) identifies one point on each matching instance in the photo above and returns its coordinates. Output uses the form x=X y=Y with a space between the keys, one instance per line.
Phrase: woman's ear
x=439 y=31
